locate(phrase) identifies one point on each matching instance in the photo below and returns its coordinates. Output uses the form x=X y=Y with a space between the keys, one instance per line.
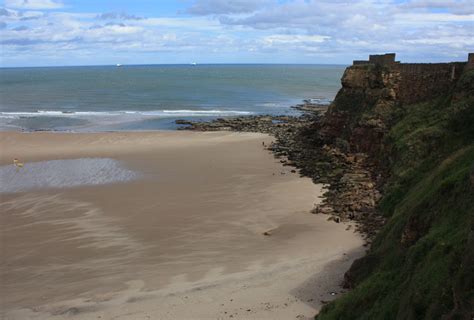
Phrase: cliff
x=416 y=124
x=375 y=91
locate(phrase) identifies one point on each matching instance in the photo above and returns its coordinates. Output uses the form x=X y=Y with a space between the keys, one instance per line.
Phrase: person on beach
x=17 y=164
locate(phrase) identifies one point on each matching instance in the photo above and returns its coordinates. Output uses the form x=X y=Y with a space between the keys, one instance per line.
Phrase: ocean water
x=150 y=97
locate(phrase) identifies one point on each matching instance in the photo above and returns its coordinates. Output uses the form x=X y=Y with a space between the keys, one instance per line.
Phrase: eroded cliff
x=420 y=143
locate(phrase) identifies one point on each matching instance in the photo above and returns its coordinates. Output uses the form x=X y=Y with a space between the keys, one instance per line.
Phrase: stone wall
x=419 y=81
x=382 y=59
x=387 y=59
x=470 y=61
x=358 y=62
x=423 y=81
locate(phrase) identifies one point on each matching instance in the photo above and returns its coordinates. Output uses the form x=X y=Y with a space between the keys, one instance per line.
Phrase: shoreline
x=216 y=173
x=170 y=123
x=354 y=181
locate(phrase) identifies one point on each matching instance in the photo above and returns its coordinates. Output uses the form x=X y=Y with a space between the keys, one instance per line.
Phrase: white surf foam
x=63 y=174
x=125 y=113
x=322 y=101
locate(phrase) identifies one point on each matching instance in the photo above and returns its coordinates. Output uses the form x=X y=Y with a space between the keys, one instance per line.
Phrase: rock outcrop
x=415 y=124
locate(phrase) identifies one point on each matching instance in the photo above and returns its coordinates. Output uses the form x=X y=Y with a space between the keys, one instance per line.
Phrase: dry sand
x=185 y=241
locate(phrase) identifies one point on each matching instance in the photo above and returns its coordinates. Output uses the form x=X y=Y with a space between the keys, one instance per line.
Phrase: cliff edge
x=415 y=123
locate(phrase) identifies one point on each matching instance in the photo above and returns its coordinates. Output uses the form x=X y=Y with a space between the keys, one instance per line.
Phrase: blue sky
x=88 y=32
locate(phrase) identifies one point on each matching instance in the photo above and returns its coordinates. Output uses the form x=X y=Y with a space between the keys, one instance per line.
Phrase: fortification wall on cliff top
x=423 y=81
x=420 y=81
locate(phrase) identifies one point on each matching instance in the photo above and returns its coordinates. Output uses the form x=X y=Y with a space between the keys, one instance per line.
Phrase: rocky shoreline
x=352 y=191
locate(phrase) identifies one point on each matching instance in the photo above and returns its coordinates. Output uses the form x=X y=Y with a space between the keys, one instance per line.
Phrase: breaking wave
x=140 y=114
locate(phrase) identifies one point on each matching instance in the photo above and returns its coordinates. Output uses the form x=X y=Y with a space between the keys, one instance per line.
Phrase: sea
x=153 y=97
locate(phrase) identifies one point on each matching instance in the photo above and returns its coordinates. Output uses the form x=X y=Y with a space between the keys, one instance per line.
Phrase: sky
x=98 y=32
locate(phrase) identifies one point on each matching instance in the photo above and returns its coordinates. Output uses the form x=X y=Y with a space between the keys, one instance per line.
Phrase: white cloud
x=451 y=41
x=288 y=30
x=460 y=7
x=293 y=39
x=34 y=4
x=420 y=18
x=213 y=7
x=194 y=23
x=118 y=16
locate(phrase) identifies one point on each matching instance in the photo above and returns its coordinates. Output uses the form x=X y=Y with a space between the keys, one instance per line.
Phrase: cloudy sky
x=88 y=32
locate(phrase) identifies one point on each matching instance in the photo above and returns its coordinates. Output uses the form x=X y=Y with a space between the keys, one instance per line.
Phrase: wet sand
x=184 y=241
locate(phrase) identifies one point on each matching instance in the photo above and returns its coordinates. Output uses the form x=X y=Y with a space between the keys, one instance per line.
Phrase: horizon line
x=172 y=64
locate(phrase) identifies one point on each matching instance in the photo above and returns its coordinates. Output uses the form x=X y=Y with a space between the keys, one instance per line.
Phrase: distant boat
x=193 y=63
x=118 y=65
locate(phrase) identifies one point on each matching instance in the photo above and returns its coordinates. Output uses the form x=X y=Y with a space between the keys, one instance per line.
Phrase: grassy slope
x=430 y=201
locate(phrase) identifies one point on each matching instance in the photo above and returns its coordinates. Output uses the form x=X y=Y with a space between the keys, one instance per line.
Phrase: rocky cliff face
x=363 y=108
x=373 y=96
x=420 y=147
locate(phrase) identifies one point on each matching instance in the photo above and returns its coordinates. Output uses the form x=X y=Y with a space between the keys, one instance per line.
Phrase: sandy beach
x=182 y=239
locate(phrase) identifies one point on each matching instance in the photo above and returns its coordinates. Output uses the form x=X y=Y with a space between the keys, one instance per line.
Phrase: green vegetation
x=421 y=264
